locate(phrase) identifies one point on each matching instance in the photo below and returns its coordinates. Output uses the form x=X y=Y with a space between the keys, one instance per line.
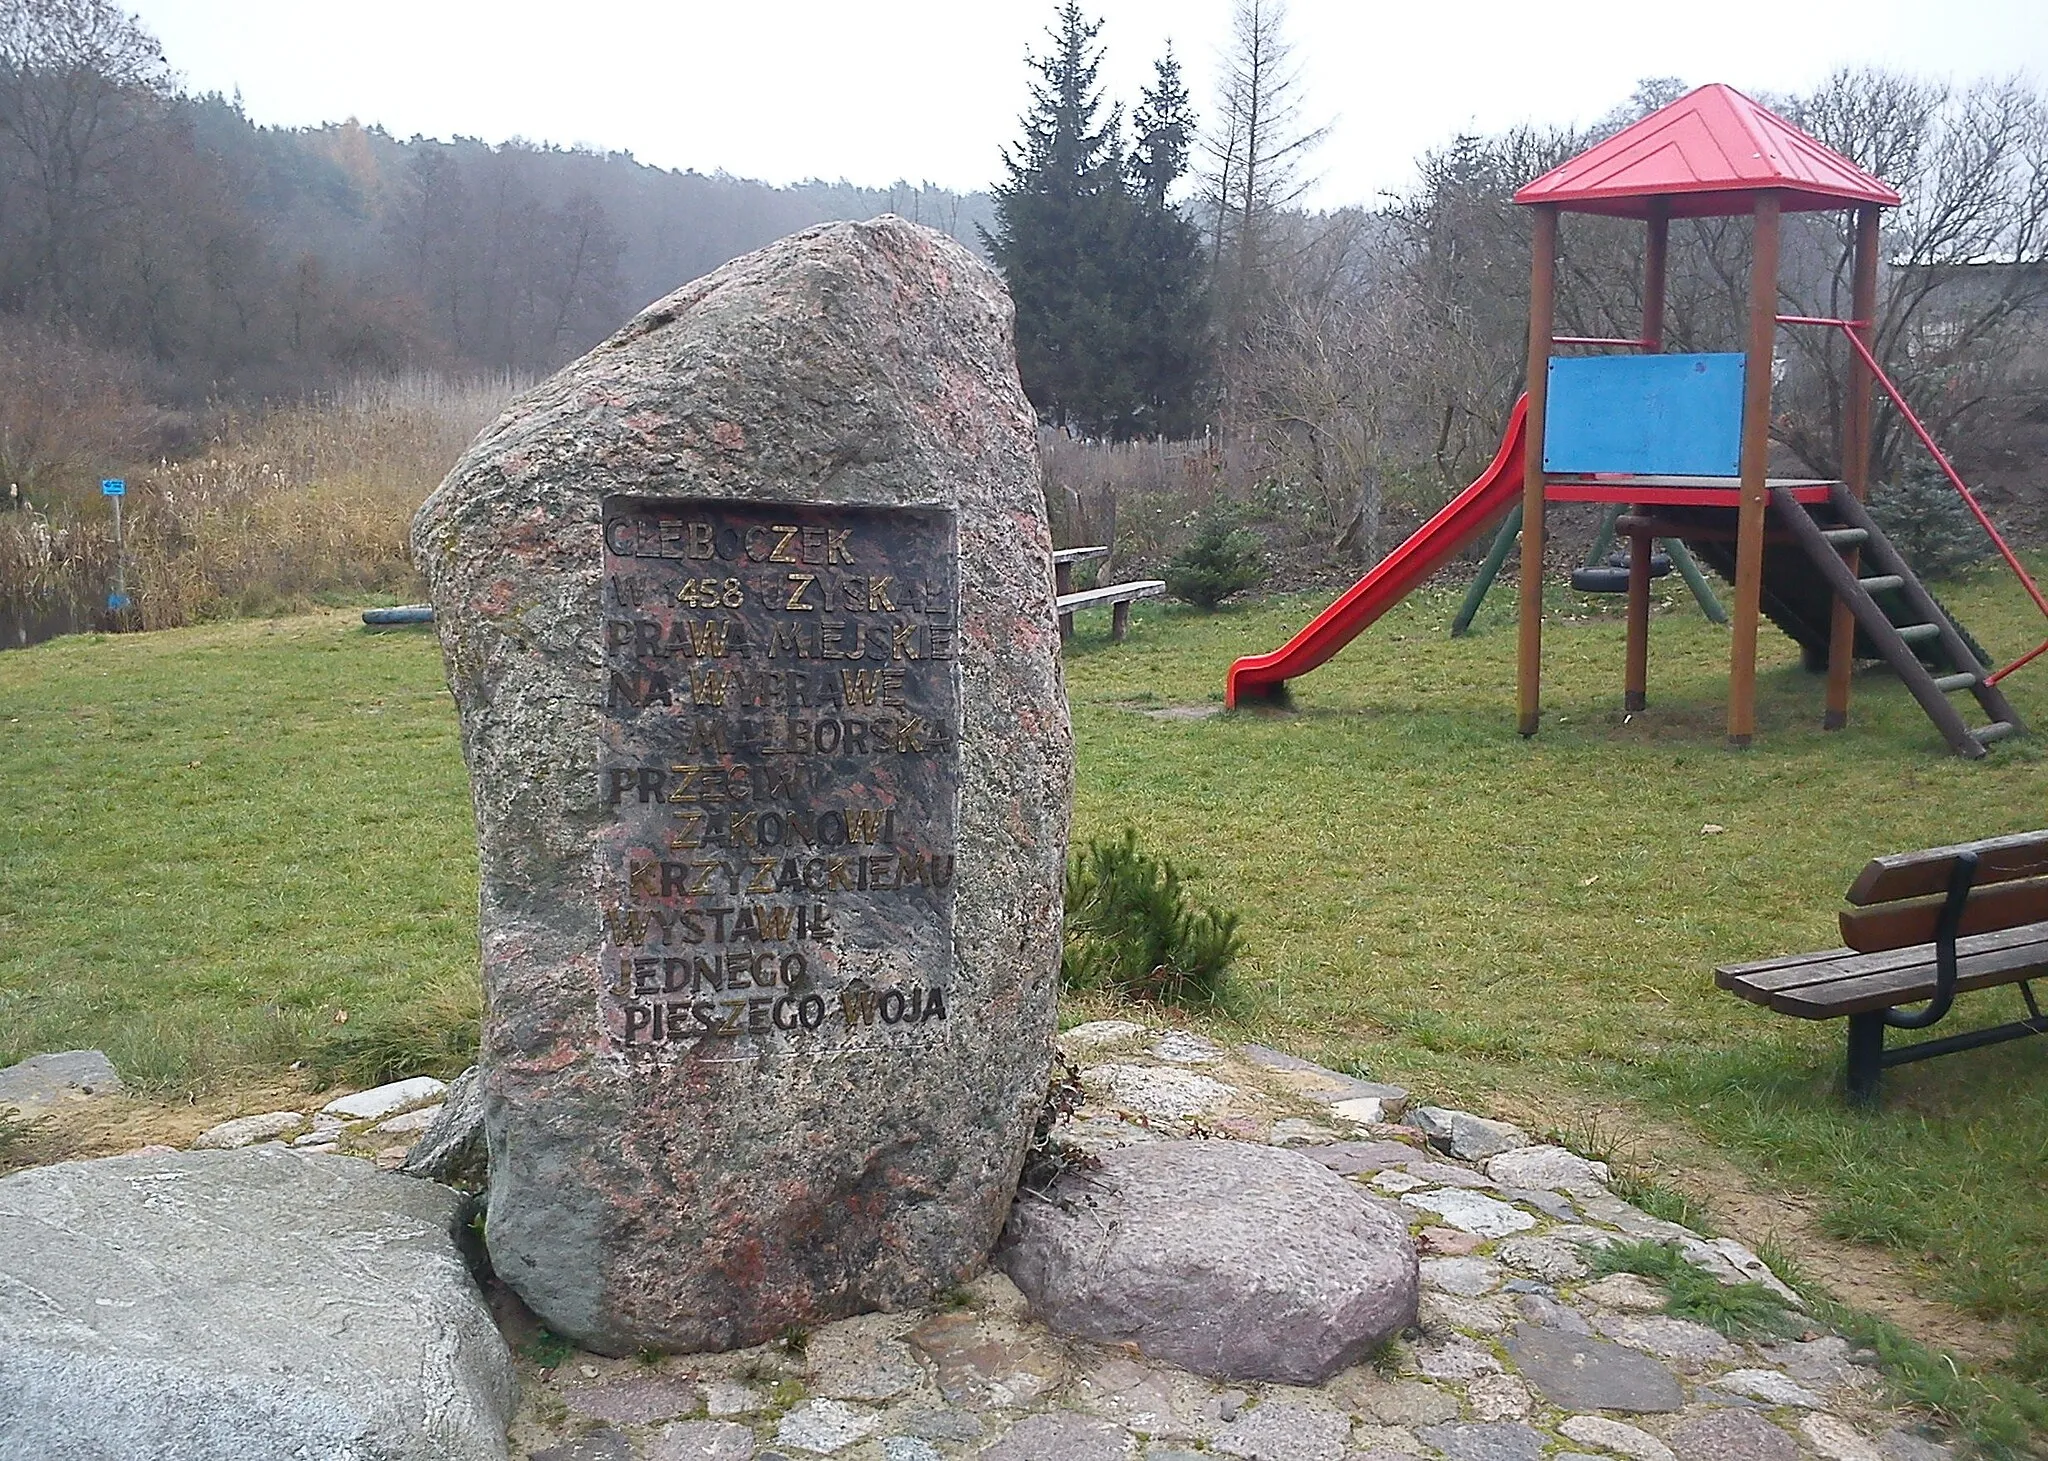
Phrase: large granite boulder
x=1228 y=1258
x=200 y=1305
x=748 y=616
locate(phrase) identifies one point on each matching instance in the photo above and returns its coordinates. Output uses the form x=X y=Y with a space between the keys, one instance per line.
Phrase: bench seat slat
x=1909 y=986
x=1922 y=874
x=1767 y=975
x=1842 y=982
x=1140 y=588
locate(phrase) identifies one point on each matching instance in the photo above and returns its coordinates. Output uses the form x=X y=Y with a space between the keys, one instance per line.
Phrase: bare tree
x=1323 y=377
x=1966 y=254
x=77 y=80
x=1255 y=151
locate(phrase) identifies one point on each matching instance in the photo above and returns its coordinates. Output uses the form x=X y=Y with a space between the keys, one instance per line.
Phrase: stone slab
x=1101 y=1034
x=242 y=1303
x=1356 y=1158
x=59 y=1075
x=1480 y=1441
x=1579 y=1372
x=1184 y=1048
x=702 y=1440
x=602 y=1444
x=1550 y=1168
x=1545 y=1257
x=1616 y=1436
x=1770 y=1386
x=1230 y=1259
x=451 y=1149
x=247 y=1131
x=1062 y=1436
x=824 y=1427
x=1670 y=1339
x=382 y=1102
x=1474 y=1212
x=1731 y=1435
x=1157 y=1092
x=1836 y=1439
x=1286 y=1430
x=634 y=1399
x=1465 y=1136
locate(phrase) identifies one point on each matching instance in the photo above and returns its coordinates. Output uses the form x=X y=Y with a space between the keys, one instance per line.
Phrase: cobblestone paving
x=1519 y=1354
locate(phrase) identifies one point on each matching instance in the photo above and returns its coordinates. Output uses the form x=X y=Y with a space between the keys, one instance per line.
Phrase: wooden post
x=1756 y=452
x=1657 y=246
x=1636 y=660
x=1636 y=673
x=1855 y=451
x=1542 y=323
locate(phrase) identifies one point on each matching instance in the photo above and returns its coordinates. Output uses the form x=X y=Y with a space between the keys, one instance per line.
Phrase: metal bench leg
x=1866 y=1031
x=1866 y=1057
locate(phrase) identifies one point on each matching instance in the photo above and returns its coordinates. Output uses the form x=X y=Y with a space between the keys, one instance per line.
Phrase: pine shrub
x=1133 y=930
x=1928 y=522
x=1221 y=561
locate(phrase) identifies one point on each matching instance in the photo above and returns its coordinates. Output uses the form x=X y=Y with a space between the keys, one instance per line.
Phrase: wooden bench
x=1919 y=926
x=1120 y=597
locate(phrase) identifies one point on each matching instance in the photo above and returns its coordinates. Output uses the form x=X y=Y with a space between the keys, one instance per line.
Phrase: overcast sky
x=930 y=90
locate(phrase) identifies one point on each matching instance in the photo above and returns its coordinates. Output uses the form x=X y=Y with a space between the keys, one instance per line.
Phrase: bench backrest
x=1896 y=901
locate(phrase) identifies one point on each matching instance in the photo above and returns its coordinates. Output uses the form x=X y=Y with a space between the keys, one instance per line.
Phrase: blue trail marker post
x=116 y=488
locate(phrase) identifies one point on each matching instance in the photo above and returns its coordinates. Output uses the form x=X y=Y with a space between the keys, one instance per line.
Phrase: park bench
x=1119 y=596
x=1927 y=926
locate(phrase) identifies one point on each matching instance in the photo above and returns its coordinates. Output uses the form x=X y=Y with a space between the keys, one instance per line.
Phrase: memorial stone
x=748 y=617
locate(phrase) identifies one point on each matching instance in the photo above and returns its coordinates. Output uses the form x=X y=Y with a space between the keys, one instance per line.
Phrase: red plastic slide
x=1465 y=517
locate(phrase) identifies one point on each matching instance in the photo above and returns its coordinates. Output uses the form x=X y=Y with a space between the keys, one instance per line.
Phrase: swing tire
x=1600 y=580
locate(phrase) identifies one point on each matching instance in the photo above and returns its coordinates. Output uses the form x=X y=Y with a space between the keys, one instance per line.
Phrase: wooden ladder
x=1841 y=554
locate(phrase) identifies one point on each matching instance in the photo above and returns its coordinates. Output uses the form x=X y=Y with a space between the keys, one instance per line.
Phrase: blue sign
x=118 y=601
x=1645 y=415
x=113 y=487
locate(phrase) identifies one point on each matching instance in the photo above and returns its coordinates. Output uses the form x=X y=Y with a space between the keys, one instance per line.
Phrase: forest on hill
x=219 y=257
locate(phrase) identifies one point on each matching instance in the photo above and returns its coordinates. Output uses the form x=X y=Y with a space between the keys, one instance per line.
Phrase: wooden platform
x=1676 y=491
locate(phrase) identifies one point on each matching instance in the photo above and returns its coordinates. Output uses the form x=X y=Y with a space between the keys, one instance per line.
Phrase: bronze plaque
x=780 y=767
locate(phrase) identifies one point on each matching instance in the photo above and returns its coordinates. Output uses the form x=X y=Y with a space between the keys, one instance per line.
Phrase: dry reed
x=286 y=507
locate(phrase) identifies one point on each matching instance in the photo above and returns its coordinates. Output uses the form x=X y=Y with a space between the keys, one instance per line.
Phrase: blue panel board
x=1645 y=415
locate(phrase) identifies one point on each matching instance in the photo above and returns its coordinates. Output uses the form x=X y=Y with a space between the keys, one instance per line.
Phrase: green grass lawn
x=226 y=849
x=234 y=847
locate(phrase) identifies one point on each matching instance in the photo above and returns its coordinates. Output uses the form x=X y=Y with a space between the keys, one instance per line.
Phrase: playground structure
x=1677 y=447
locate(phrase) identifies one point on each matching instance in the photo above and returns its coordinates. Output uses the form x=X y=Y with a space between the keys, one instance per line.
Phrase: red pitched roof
x=1710 y=152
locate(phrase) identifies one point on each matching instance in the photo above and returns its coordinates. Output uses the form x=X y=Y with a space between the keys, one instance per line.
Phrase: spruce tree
x=1162 y=268
x=1059 y=215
